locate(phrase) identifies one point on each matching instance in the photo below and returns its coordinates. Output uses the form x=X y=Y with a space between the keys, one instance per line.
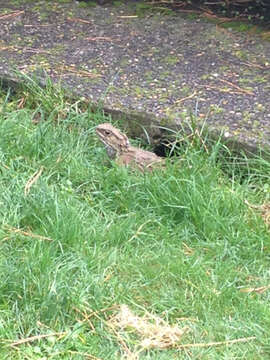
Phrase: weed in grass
x=181 y=244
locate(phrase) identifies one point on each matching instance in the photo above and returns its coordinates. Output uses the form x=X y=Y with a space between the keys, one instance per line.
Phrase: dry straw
x=153 y=331
x=264 y=210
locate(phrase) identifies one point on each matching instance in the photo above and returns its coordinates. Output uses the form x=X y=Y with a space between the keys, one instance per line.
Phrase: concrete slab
x=151 y=68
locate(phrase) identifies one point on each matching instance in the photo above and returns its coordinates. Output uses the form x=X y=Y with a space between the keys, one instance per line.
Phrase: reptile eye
x=107 y=132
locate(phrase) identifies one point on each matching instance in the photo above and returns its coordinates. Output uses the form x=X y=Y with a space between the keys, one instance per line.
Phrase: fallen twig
x=258 y=290
x=21 y=103
x=12 y=14
x=218 y=343
x=201 y=139
x=2 y=48
x=213 y=16
x=123 y=343
x=78 y=72
x=37 y=25
x=186 y=98
x=189 y=11
x=38 y=51
x=85 y=318
x=5 y=166
x=32 y=180
x=263 y=67
x=100 y=38
x=79 y=20
x=97 y=312
x=16 y=48
x=36 y=337
x=221 y=19
x=236 y=87
x=127 y=16
x=222 y=90
x=26 y=233
x=138 y=231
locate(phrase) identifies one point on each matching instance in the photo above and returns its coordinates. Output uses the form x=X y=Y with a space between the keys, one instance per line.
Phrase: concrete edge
x=147 y=126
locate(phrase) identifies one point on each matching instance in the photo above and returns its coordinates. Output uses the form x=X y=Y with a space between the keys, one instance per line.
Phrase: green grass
x=179 y=243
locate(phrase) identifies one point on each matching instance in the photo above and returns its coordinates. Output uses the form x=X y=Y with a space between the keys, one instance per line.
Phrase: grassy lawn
x=80 y=236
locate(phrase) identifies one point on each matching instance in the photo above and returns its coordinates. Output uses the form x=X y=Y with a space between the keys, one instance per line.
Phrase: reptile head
x=114 y=141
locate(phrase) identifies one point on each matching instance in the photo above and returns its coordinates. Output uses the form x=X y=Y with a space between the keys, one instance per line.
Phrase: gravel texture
x=152 y=66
